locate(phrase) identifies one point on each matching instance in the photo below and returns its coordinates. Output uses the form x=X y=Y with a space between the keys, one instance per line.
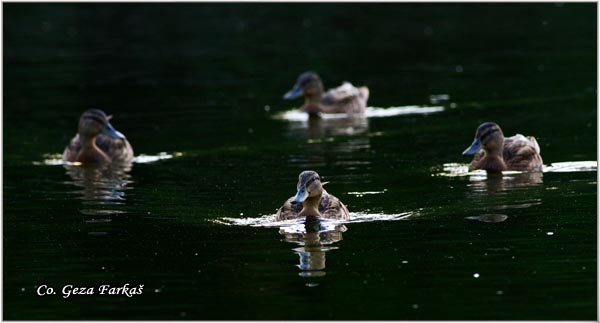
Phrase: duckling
x=312 y=201
x=494 y=153
x=343 y=99
x=97 y=141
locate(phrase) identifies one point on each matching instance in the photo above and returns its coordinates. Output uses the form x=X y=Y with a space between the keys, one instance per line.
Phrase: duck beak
x=301 y=195
x=295 y=92
x=475 y=146
x=110 y=131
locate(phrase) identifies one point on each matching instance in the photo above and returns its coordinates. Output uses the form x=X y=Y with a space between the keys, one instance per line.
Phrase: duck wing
x=288 y=210
x=345 y=98
x=72 y=150
x=332 y=208
x=117 y=149
x=522 y=153
x=329 y=206
x=476 y=158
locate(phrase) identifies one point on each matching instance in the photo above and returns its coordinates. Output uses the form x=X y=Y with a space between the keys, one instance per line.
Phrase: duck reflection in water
x=314 y=238
x=494 y=185
x=513 y=191
x=319 y=128
x=100 y=184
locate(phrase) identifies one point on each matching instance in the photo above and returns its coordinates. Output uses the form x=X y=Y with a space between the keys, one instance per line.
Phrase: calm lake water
x=197 y=90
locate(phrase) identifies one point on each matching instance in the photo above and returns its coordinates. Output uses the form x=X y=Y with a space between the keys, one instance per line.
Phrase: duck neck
x=493 y=162
x=310 y=207
x=89 y=151
x=497 y=149
x=87 y=140
x=312 y=103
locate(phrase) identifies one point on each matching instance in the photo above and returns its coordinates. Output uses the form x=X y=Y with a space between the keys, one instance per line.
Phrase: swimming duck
x=343 y=99
x=494 y=153
x=97 y=141
x=312 y=201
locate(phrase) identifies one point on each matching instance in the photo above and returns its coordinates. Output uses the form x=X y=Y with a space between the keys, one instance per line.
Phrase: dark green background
x=195 y=78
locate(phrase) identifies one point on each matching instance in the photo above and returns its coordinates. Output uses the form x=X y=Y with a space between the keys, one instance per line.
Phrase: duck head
x=309 y=187
x=94 y=122
x=488 y=136
x=308 y=85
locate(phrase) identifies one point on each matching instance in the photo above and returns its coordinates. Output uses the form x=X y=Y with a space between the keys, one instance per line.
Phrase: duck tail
x=364 y=92
x=534 y=143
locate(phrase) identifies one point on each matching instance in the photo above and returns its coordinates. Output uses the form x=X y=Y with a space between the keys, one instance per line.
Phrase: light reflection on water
x=459 y=169
x=492 y=218
x=314 y=238
x=370 y=112
x=270 y=222
x=56 y=159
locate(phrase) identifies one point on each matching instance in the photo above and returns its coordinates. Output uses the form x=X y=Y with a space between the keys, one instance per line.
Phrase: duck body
x=344 y=99
x=97 y=141
x=329 y=207
x=495 y=153
x=113 y=150
x=312 y=201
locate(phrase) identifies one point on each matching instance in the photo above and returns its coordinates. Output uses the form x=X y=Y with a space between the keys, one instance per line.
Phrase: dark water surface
x=203 y=83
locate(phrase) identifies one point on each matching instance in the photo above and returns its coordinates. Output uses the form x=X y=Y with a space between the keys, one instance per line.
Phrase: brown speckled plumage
x=101 y=143
x=329 y=206
x=519 y=153
x=343 y=99
x=117 y=149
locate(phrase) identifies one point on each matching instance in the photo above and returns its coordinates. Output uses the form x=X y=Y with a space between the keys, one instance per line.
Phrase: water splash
x=263 y=221
x=370 y=112
x=269 y=220
x=323 y=226
x=56 y=159
x=371 y=217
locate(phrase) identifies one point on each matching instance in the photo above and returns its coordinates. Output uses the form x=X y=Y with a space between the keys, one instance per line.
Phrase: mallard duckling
x=97 y=141
x=312 y=201
x=494 y=153
x=343 y=99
